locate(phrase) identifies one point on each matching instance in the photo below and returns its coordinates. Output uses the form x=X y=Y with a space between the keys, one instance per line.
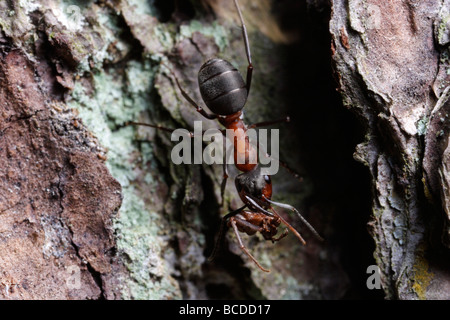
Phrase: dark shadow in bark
x=327 y=136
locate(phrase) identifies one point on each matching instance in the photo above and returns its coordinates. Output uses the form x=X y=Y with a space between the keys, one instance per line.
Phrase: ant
x=225 y=93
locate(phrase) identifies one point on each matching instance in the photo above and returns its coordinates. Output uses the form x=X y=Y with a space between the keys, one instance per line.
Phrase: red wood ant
x=225 y=93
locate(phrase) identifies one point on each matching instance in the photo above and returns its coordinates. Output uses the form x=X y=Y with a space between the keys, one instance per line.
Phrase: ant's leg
x=224 y=183
x=289 y=207
x=269 y=123
x=247 y=48
x=282 y=163
x=156 y=126
x=192 y=102
x=241 y=245
x=227 y=152
x=223 y=226
x=159 y=127
x=225 y=167
x=189 y=99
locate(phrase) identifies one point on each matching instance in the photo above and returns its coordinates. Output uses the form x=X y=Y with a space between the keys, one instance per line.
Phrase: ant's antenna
x=289 y=207
x=244 y=32
x=247 y=48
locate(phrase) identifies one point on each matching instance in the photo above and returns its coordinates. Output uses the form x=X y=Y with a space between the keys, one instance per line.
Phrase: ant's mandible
x=225 y=93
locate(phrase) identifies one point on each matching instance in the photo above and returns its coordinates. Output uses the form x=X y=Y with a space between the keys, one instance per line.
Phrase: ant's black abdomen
x=222 y=87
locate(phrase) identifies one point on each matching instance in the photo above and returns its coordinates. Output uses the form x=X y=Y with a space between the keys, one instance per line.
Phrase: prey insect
x=225 y=93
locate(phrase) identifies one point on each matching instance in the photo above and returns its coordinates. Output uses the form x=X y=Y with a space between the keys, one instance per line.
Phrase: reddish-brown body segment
x=245 y=155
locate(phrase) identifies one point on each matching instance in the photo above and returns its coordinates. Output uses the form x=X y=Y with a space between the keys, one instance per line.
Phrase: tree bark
x=391 y=61
x=90 y=209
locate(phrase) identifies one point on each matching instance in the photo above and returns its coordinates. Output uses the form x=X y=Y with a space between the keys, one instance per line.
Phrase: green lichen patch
x=443 y=25
x=422 y=126
x=14 y=20
x=214 y=30
x=141 y=17
x=114 y=100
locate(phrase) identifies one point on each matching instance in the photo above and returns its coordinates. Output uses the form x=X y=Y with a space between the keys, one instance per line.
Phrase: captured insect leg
x=246 y=226
x=242 y=246
x=274 y=213
x=296 y=233
x=289 y=207
x=223 y=226
x=281 y=236
x=247 y=48
x=189 y=99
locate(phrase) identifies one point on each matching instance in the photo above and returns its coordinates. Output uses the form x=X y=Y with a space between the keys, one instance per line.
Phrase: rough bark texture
x=90 y=209
x=391 y=60
x=57 y=197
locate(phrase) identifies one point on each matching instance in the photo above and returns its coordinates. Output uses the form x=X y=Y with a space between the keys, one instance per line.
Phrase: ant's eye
x=267 y=179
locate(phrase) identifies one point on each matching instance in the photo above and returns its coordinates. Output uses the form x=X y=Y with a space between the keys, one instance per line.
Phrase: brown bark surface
x=391 y=61
x=90 y=209
x=57 y=198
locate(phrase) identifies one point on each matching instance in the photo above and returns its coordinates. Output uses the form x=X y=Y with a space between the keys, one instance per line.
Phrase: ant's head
x=222 y=87
x=254 y=185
